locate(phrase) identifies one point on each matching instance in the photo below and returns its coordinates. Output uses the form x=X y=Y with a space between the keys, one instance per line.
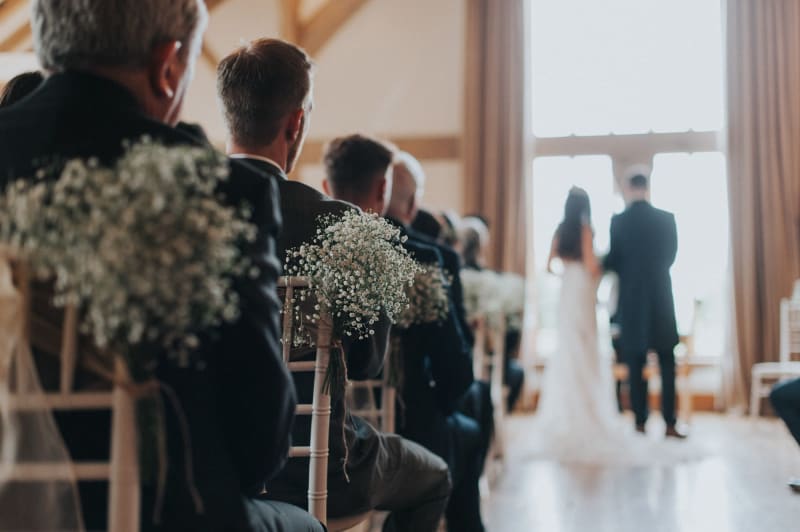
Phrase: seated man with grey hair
x=119 y=70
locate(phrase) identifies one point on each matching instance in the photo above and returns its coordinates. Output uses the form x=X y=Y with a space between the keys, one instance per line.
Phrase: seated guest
x=441 y=227
x=408 y=189
x=266 y=93
x=19 y=87
x=473 y=234
x=428 y=224
x=437 y=368
x=474 y=237
x=120 y=72
x=785 y=398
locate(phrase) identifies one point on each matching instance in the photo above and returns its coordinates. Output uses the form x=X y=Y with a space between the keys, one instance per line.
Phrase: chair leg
x=755 y=395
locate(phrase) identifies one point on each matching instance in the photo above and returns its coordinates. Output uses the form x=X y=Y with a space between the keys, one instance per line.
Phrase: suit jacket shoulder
x=301 y=206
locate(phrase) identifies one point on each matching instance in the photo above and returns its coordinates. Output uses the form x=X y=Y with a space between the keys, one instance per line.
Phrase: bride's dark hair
x=577 y=212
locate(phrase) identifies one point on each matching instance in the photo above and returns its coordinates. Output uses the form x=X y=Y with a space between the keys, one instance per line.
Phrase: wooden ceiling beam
x=20 y=37
x=10 y=6
x=290 y=20
x=423 y=147
x=18 y=40
x=211 y=5
x=324 y=24
x=209 y=56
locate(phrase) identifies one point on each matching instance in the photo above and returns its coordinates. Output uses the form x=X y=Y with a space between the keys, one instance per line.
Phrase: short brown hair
x=258 y=85
x=352 y=162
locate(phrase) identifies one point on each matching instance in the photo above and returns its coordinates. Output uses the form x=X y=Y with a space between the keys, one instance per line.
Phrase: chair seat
x=340 y=524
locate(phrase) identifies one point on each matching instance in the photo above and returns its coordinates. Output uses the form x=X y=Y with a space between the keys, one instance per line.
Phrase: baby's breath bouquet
x=494 y=296
x=358 y=273
x=481 y=295
x=143 y=248
x=427 y=296
x=512 y=299
x=357 y=269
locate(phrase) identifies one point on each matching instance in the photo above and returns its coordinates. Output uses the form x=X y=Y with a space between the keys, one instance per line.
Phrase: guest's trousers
x=514 y=374
x=515 y=378
x=274 y=516
x=638 y=385
x=409 y=482
x=464 y=509
x=477 y=404
x=785 y=398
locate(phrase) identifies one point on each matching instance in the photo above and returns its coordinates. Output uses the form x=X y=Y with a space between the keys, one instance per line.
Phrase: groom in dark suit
x=644 y=242
x=113 y=82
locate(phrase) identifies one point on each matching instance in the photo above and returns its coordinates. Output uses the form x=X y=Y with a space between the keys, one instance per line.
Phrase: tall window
x=617 y=83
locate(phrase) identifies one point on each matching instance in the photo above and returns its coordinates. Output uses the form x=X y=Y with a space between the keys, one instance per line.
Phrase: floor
x=739 y=487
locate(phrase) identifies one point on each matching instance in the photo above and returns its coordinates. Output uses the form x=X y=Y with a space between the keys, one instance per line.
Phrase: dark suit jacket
x=301 y=206
x=452 y=265
x=437 y=371
x=644 y=242
x=240 y=407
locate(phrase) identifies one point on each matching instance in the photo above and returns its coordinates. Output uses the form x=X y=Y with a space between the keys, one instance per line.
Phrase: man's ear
x=165 y=69
x=326 y=188
x=380 y=196
x=294 y=125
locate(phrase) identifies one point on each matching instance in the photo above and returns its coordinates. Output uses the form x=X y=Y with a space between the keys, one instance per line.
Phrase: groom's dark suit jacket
x=644 y=242
x=301 y=206
x=241 y=405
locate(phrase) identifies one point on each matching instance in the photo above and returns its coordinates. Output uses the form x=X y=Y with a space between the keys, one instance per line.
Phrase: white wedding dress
x=577 y=419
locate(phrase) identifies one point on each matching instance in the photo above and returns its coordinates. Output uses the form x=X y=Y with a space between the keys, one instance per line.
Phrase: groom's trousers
x=785 y=398
x=639 y=389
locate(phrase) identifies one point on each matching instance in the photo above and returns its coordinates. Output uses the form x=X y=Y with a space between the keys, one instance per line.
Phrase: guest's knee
x=781 y=396
x=441 y=482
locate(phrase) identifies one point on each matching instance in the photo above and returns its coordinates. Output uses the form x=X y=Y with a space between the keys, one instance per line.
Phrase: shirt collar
x=257 y=158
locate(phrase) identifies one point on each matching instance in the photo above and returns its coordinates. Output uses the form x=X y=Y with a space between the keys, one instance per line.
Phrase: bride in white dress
x=577 y=418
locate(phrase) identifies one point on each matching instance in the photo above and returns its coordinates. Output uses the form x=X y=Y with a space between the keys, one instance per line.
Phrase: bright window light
x=626 y=66
x=694 y=188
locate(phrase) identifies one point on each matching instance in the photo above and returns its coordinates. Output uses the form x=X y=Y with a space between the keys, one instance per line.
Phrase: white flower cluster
x=145 y=248
x=357 y=269
x=494 y=296
x=427 y=297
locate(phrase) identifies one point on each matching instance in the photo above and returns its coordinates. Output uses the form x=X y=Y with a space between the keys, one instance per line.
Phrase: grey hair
x=473 y=235
x=114 y=33
x=413 y=165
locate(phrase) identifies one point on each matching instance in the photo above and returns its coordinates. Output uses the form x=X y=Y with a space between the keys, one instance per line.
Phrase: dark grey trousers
x=409 y=482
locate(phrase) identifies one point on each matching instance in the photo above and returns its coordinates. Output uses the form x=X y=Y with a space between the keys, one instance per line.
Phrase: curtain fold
x=495 y=143
x=763 y=80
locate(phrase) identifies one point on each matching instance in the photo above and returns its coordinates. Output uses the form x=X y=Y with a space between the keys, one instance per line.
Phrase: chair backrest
x=790 y=330
x=320 y=409
x=366 y=404
x=497 y=382
x=480 y=360
x=122 y=470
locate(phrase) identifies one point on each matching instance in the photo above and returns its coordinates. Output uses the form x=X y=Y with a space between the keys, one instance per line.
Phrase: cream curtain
x=763 y=59
x=496 y=158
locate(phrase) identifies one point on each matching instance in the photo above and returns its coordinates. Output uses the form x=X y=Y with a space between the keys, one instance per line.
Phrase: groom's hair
x=81 y=34
x=639 y=182
x=353 y=162
x=258 y=85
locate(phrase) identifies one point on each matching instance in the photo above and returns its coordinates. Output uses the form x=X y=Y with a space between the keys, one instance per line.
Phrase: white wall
x=395 y=69
x=232 y=23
